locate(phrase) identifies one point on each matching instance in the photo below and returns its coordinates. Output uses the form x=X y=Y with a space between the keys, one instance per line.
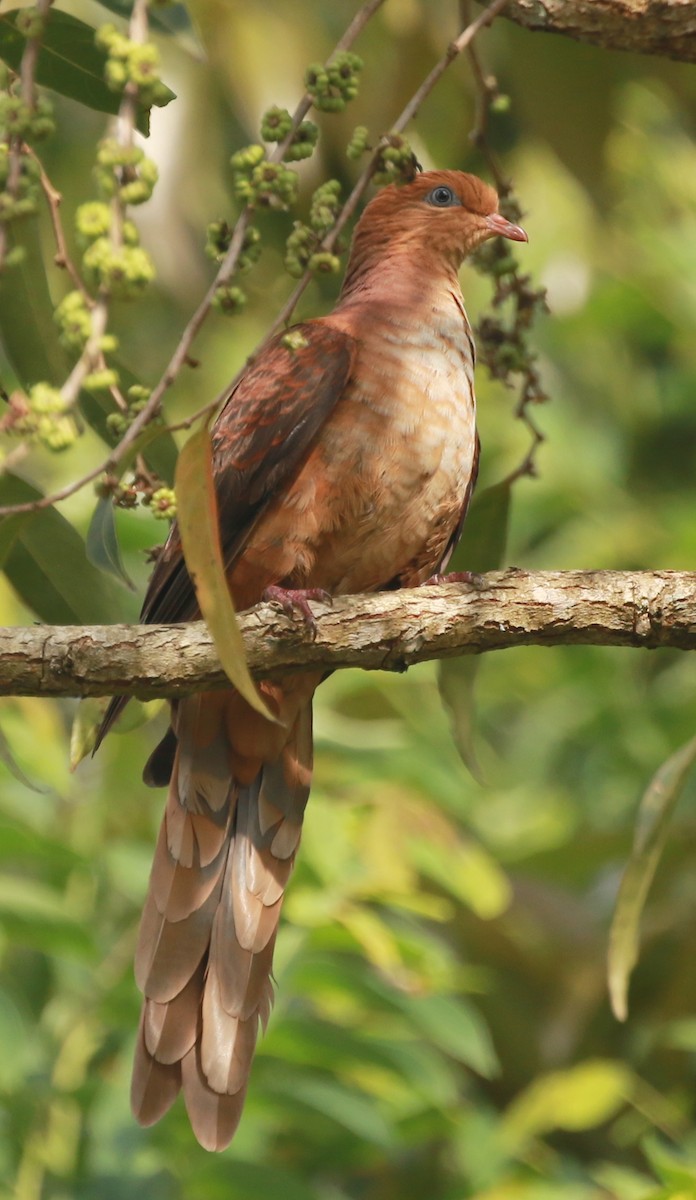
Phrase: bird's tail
x=226 y=849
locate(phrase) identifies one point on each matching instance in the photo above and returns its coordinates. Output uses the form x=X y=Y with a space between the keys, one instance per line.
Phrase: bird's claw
x=470 y=577
x=291 y=599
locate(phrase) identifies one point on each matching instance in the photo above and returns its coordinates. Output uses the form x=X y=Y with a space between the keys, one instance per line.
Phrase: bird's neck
x=398 y=283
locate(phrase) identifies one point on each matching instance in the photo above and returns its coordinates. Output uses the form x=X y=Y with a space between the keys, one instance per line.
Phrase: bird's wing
x=265 y=430
x=452 y=544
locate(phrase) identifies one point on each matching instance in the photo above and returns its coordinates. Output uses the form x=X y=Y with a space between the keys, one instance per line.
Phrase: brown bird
x=344 y=462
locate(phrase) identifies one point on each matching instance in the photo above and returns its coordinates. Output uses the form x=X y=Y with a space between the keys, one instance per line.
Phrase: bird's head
x=437 y=220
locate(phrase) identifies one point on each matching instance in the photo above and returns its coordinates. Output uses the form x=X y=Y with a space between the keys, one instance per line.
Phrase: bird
x=344 y=461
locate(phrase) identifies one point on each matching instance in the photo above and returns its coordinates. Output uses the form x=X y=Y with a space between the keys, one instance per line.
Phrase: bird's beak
x=498 y=225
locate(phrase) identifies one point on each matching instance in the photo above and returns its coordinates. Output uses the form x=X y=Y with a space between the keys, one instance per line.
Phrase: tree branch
x=388 y=630
x=665 y=27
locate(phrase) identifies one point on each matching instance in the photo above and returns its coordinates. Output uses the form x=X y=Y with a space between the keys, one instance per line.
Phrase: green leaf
x=47 y=565
x=200 y=538
x=457 y=1028
x=29 y=333
x=656 y=808
x=481 y=548
x=69 y=63
x=352 y=1109
x=8 y=758
x=102 y=547
x=38 y=916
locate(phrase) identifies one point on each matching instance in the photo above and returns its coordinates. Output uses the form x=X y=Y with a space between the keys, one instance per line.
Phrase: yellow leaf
x=580 y=1098
x=200 y=538
x=652 y=824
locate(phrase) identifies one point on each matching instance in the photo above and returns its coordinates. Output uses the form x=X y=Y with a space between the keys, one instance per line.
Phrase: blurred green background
x=442 y=1027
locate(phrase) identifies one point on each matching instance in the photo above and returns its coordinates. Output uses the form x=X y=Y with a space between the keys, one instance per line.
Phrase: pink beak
x=499 y=225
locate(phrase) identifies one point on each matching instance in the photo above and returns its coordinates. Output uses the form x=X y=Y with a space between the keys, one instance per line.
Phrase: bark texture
x=666 y=27
x=388 y=631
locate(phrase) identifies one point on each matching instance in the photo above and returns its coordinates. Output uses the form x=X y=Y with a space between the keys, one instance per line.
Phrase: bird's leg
x=471 y=577
x=290 y=599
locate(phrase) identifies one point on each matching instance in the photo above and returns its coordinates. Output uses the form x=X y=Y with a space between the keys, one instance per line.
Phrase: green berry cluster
x=30 y=22
x=259 y=182
x=21 y=120
x=276 y=124
x=22 y=201
x=359 y=143
x=41 y=417
x=325 y=206
x=396 y=162
x=118 y=422
x=333 y=86
x=302 y=248
x=124 y=172
x=229 y=299
x=132 y=64
x=219 y=236
x=123 y=271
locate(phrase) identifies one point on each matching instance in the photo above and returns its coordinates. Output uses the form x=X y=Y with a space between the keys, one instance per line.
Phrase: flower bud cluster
x=41 y=417
x=118 y=422
x=333 y=86
x=143 y=489
x=122 y=269
x=22 y=200
x=124 y=172
x=132 y=64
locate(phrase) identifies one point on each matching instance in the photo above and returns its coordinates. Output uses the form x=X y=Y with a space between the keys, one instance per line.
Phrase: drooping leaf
x=29 y=333
x=47 y=565
x=85 y=726
x=652 y=824
x=8 y=758
x=102 y=547
x=481 y=548
x=200 y=538
x=69 y=63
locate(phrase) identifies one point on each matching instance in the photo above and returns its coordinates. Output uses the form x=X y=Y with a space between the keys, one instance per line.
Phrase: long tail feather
x=205 y=952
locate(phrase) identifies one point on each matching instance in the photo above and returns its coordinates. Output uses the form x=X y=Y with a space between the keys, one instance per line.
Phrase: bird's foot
x=291 y=599
x=470 y=577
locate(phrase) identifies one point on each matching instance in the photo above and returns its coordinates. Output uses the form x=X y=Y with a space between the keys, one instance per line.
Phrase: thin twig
x=62 y=257
x=27 y=72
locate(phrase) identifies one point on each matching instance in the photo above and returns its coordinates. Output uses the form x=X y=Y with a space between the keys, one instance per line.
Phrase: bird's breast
x=381 y=493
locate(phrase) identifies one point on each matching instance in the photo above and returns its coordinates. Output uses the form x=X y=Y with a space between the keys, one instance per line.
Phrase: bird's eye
x=442 y=197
